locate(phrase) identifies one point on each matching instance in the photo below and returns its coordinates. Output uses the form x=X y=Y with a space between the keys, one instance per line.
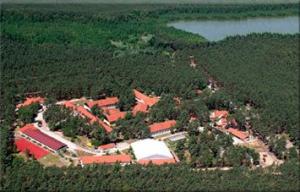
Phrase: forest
x=30 y=176
x=64 y=52
x=266 y=79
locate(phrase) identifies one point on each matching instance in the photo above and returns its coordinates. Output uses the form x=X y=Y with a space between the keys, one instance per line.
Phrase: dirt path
x=266 y=158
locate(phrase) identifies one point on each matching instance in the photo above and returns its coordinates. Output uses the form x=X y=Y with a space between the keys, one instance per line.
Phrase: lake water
x=214 y=30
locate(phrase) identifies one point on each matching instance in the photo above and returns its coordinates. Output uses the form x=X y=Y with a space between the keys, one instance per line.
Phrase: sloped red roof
x=27 y=127
x=105 y=126
x=113 y=115
x=85 y=113
x=35 y=150
x=140 y=107
x=104 y=102
x=157 y=161
x=155 y=127
x=145 y=99
x=70 y=105
x=239 y=134
x=41 y=137
x=218 y=114
x=222 y=122
x=31 y=100
x=105 y=159
x=91 y=103
x=107 y=146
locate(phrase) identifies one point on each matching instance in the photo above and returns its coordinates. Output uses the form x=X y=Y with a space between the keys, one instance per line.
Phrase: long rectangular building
x=87 y=114
x=46 y=141
x=35 y=150
x=157 y=129
x=105 y=159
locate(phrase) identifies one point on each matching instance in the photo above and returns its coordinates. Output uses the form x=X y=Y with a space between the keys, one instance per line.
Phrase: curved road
x=72 y=146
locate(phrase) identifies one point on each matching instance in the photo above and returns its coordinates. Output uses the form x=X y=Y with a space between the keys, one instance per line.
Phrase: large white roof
x=150 y=149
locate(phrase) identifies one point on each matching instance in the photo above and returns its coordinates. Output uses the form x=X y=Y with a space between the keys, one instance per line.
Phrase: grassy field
x=53 y=160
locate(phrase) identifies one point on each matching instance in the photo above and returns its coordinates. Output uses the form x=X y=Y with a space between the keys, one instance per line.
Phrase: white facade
x=177 y=136
x=160 y=133
x=201 y=129
x=237 y=141
x=150 y=149
x=110 y=150
x=122 y=146
x=139 y=100
x=111 y=106
x=107 y=122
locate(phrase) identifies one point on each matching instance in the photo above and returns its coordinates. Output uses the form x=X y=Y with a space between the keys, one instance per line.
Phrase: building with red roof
x=91 y=104
x=31 y=100
x=109 y=102
x=107 y=128
x=242 y=135
x=222 y=123
x=105 y=159
x=37 y=152
x=217 y=114
x=92 y=118
x=32 y=133
x=140 y=108
x=70 y=105
x=219 y=117
x=107 y=147
x=87 y=114
x=141 y=98
x=157 y=129
x=112 y=115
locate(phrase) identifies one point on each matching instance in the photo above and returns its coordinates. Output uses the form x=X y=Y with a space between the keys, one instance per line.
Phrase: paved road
x=72 y=146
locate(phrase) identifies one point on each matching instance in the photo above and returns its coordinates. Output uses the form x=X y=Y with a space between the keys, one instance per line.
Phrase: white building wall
x=150 y=149
x=156 y=134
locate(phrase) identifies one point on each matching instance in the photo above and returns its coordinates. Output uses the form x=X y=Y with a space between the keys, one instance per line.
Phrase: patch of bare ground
x=82 y=153
x=54 y=160
x=266 y=158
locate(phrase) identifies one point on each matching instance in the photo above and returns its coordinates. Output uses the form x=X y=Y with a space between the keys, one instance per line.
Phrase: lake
x=215 y=30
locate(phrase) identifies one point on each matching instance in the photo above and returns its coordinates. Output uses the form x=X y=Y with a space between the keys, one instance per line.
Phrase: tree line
x=39 y=55
x=266 y=79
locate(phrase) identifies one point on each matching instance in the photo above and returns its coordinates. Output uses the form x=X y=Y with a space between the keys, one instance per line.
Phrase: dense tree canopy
x=209 y=149
x=31 y=176
x=267 y=79
x=27 y=113
x=64 y=52
x=132 y=127
x=164 y=109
